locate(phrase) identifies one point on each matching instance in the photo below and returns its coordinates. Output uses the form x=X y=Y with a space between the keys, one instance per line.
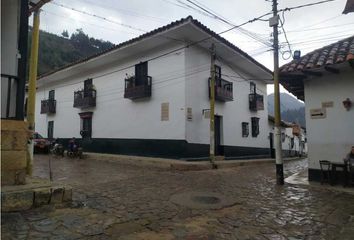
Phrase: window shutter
x=164 y=111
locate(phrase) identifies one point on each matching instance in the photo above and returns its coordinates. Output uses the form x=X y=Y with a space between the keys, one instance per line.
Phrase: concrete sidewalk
x=180 y=165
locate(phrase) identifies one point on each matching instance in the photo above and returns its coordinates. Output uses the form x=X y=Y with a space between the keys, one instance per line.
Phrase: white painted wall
x=180 y=79
x=330 y=138
x=286 y=144
x=233 y=113
x=117 y=117
x=9 y=61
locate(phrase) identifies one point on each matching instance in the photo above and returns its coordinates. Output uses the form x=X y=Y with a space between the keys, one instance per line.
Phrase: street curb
x=179 y=165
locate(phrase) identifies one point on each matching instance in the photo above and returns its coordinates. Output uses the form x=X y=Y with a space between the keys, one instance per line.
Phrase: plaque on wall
x=318 y=113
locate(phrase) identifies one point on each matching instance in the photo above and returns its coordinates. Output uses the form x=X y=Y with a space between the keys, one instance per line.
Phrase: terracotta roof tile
x=335 y=53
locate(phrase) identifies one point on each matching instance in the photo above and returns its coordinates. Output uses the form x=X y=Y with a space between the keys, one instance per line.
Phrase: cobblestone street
x=115 y=200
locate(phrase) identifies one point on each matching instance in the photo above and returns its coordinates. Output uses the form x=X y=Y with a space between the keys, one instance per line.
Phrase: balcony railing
x=256 y=102
x=48 y=106
x=85 y=98
x=134 y=91
x=223 y=90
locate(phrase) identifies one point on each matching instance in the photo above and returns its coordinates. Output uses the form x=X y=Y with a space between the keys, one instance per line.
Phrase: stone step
x=33 y=194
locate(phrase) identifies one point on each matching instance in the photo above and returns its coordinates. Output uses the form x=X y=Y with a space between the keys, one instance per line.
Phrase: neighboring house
x=150 y=96
x=324 y=79
x=293 y=138
x=14 y=31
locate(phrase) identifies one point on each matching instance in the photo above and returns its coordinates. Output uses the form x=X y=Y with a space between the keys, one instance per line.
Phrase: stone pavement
x=117 y=200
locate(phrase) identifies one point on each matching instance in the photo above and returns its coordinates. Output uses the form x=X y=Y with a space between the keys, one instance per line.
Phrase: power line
x=305 y=5
x=224 y=20
x=97 y=16
x=91 y=24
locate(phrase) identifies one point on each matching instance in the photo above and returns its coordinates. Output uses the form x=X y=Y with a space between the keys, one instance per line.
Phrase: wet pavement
x=116 y=200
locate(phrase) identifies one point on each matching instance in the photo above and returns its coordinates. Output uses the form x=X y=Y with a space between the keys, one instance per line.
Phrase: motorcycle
x=57 y=149
x=77 y=152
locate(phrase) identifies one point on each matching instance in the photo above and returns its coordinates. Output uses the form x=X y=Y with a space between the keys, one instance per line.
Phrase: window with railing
x=86 y=97
x=49 y=105
x=139 y=85
x=255 y=100
x=223 y=89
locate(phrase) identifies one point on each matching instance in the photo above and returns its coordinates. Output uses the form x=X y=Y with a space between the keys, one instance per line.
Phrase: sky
x=116 y=21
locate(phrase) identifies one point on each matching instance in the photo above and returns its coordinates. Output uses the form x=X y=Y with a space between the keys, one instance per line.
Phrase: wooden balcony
x=256 y=102
x=223 y=90
x=48 y=106
x=85 y=98
x=135 y=89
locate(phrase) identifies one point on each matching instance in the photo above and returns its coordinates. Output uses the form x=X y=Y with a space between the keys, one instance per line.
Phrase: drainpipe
x=31 y=104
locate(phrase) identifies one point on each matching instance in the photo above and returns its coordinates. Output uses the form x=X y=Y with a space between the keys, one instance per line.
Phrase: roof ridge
x=179 y=22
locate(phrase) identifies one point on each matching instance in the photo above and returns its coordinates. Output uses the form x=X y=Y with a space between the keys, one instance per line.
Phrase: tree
x=65 y=34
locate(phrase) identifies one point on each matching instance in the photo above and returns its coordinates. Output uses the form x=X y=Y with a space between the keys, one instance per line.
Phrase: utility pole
x=212 y=105
x=273 y=22
x=31 y=104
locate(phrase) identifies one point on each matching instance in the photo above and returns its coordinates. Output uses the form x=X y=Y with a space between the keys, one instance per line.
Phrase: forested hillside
x=292 y=110
x=56 y=51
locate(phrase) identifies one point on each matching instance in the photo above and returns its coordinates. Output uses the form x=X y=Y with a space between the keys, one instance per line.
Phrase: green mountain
x=57 y=51
x=292 y=110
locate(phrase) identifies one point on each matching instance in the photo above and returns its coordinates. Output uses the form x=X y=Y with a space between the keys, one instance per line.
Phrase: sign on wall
x=327 y=104
x=318 y=113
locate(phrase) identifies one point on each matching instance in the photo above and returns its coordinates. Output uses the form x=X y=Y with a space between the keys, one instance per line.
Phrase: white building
x=293 y=139
x=325 y=80
x=151 y=97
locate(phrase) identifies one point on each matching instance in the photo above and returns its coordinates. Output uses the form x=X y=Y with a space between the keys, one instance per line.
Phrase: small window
x=86 y=124
x=50 y=129
x=51 y=95
x=245 y=129
x=217 y=71
x=255 y=126
x=292 y=143
x=252 y=87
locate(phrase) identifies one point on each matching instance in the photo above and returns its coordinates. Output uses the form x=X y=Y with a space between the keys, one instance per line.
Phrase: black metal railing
x=85 y=98
x=11 y=108
x=137 y=88
x=223 y=90
x=255 y=102
x=48 y=106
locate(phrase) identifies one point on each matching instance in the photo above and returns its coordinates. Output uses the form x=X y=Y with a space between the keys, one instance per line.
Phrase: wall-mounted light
x=347 y=104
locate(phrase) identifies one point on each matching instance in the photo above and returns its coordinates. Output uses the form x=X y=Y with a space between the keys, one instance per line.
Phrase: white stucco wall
x=181 y=79
x=117 y=117
x=233 y=112
x=9 y=60
x=330 y=138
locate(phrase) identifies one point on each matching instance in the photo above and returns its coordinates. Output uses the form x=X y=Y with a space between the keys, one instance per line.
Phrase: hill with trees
x=292 y=110
x=57 y=51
